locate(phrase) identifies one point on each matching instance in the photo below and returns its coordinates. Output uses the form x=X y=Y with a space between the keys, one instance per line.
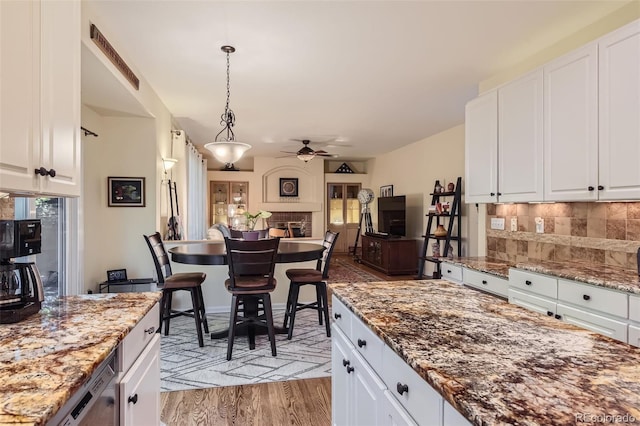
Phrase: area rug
x=344 y=270
x=184 y=365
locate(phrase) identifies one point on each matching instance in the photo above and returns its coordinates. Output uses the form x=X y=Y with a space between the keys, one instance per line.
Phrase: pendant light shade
x=227 y=150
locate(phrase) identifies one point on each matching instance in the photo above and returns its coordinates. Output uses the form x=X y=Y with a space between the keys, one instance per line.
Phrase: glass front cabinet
x=343 y=213
x=228 y=202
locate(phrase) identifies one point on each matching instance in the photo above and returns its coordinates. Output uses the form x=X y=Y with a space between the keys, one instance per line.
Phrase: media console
x=393 y=256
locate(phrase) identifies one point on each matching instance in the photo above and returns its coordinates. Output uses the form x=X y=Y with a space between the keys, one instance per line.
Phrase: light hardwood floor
x=296 y=402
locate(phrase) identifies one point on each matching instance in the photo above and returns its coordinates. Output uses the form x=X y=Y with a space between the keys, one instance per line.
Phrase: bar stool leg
x=270 y=329
x=232 y=325
x=294 y=307
x=325 y=306
x=196 y=314
x=318 y=303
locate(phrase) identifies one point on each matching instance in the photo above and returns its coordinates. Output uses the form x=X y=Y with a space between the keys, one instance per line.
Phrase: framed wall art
x=288 y=187
x=386 y=191
x=126 y=191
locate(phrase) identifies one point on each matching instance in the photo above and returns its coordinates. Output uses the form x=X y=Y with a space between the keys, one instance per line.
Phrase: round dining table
x=214 y=253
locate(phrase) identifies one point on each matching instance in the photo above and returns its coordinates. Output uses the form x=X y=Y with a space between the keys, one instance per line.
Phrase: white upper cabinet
x=40 y=104
x=520 y=142
x=571 y=126
x=619 y=133
x=481 y=146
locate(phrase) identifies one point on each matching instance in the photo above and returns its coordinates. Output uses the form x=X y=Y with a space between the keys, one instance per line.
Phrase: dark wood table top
x=214 y=253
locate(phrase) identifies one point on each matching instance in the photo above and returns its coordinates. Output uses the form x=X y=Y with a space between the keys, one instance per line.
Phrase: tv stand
x=391 y=255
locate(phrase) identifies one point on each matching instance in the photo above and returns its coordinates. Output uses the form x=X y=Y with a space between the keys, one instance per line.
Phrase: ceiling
x=363 y=77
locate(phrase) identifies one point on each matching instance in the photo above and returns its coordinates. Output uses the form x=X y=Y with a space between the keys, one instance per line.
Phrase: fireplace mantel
x=292 y=207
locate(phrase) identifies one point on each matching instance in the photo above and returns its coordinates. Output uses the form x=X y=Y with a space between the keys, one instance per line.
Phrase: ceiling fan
x=306 y=153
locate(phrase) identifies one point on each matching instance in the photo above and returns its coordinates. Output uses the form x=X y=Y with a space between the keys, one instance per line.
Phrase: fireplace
x=282 y=219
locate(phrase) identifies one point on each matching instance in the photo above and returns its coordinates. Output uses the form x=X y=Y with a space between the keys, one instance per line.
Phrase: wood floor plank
x=296 y=402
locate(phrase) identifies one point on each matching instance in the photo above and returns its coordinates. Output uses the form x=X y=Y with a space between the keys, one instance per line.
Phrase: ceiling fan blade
x=326 y=155
x=289 y=152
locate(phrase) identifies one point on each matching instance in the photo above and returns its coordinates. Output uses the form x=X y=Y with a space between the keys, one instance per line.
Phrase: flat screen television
x=392 y=215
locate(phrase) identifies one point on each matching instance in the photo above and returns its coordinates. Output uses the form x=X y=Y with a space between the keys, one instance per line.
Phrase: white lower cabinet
x=540 y=304
x=452 y=417
x=592 y=321
x=634 y=317
x=451 y=272
x=139 y=366
x=371 y=385
x=486 y=282
x=634 y=335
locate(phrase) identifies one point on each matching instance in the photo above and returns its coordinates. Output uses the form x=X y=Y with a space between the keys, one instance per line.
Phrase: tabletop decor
x=252 y=219
x=386 y=191
x=126 y=191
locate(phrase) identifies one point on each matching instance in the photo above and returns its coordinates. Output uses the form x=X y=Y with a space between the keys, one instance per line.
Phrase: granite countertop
x=497 y=363
x=612 y=277
x=47 y=357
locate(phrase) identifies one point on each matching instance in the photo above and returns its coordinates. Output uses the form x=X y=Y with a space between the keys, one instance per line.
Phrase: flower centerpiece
x=252 y=219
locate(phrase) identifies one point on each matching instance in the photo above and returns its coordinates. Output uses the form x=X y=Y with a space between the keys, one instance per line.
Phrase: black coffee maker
x=21 y=291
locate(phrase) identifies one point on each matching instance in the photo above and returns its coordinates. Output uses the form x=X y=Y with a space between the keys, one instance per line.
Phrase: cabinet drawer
x=532 y=302
x=634 y=335
x=394 y=413
x=594 y=322
x=534 y=283
x=420 y=400
x=134 y=343
x=634 y=308
x=366 y=343
x=451 y=272
x=452 y=417
x=341 y=316
x=486 y=282
x=595 y=298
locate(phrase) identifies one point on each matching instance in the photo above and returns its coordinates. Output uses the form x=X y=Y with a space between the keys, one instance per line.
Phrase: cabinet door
x=394 y=414
x=571 y=126
x=481 y=146
x=341 y=393
x=343 y=213
x=20 y=87
x=594 y=322
x=140 y=389
x=619 y=89
x=634 y=335
x=520 y=143
x=368 y=394
x=60 y=97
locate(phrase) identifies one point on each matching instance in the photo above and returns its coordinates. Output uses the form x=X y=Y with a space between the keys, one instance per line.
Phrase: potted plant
x=252 y=219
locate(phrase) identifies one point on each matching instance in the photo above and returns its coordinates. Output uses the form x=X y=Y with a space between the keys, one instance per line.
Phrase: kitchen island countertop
x=497 y=363
x=47 y=357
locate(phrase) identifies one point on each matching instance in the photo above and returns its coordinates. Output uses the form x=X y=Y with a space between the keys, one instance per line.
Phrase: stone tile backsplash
x=603 y=233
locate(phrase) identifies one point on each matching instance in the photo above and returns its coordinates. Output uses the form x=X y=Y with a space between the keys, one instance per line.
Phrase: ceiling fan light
x=306 y=157
x=227 y=151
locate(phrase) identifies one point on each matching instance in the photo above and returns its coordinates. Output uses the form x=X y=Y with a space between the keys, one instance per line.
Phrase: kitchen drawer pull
x=558 y=316
x=402 y=388
x=527 y=282
x=549 y=313
x=484 y=281
x=337 y=316
x=448 y=271
x=42 y=171
x=349 y=370
x=133 y=399
x=362 y=343
x=600 y=187
x=590 y=188
x=345 y=362
x=492 y=194
x=586 y=297
x=150 y=330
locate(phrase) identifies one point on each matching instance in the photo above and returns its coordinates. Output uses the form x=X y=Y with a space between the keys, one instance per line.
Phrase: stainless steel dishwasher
x=96 y=403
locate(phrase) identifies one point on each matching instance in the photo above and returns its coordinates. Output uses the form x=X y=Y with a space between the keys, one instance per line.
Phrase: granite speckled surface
x=47 y=357
x=497 y=363
x=612 y=277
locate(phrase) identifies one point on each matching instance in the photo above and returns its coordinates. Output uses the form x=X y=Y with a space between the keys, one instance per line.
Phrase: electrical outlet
x=539 y=225
x=514 y=224
x=497 y=223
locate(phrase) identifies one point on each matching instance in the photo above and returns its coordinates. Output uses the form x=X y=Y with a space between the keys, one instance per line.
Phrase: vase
x=451 y=187
x=250 y=235
x=440 y=231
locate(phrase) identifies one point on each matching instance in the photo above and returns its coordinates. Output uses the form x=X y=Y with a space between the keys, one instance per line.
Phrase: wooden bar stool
x=316 y=277
x=188 y=281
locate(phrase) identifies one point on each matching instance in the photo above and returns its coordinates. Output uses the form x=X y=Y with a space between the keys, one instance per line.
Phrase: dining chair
x=250 y=282
x=317 y=277
x=170 y=283
x=275 y=232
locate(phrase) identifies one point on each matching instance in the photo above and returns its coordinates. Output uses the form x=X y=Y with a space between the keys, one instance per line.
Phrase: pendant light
x=227 y=150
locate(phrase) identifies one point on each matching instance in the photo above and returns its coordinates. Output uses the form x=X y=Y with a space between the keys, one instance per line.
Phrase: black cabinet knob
x=402 y=388
x=337 y=316
x=362 y=343
x=484 y=282
x=499 y=193
x=448 y=271
x=345 y=362
x=549 y=313
x=349 y=370
x=600 y=187
x=591 y=188
x=492 y=194
x=133 y=398
x=527 y=282
x=586 y=297
x=558 y=316
x=52 y=173
x=42 y=171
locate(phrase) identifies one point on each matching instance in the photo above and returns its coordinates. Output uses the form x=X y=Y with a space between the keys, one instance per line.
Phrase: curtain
x=196 y=193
